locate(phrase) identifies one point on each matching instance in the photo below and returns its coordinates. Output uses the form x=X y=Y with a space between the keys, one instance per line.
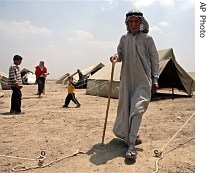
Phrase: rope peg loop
x=158 y=153
x=41 y=158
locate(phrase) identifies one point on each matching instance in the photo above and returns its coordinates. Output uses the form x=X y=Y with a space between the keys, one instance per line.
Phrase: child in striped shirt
x=15 y=81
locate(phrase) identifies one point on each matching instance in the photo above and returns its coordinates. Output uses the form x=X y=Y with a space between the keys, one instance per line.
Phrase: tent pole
x=172 y=68
x=107 y=109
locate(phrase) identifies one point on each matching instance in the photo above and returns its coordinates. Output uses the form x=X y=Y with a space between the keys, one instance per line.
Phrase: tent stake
x=107 y=109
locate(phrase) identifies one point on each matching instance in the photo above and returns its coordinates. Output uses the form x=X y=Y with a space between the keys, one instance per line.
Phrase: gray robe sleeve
x=120 y=48
x=154 y=59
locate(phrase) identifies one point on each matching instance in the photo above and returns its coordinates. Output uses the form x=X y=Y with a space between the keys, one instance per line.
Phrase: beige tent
x=98 y=84
x=62 y=78
x=87 y=72
x=4 y=81
x=28 y=77
x=171 y=75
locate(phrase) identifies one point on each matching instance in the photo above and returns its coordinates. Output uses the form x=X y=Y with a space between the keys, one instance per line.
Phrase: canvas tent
x=171 y=75
x=87 y=72
x=98 y=84
x=62 y=78
x=4 y=81
x=192 y=75
x=28 y=77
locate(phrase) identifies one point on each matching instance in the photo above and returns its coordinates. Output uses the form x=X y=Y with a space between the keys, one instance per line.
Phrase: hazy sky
x=77 y=34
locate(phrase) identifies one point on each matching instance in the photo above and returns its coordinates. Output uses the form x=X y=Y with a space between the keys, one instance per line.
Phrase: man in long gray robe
x=139 y=74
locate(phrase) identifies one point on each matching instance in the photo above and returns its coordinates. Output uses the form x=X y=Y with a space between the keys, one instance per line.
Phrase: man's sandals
x=131 y=153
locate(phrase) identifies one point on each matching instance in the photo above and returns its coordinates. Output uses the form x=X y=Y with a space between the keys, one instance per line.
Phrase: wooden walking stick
x=107 y=109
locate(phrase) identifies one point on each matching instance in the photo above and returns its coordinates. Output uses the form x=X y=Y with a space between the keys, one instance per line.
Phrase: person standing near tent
x=80 y=83
x=41 y=73
x=138 y=79
x=71 y=93
x=15 y=81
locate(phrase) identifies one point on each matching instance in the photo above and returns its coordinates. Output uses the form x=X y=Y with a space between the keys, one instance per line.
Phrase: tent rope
x=40 y=160
x=15 y=157
x=159 y=153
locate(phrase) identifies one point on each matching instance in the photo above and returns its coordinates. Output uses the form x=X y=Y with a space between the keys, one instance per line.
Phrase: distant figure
x=80 y=83
x=15 y=81
x=71 y=93
x=41 y=73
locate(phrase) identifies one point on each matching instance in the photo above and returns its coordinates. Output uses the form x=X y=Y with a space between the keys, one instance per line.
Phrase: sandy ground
x=60 y=132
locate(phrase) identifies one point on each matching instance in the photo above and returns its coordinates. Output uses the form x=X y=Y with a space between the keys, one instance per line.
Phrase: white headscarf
x=144 y=27
x=41 y=64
